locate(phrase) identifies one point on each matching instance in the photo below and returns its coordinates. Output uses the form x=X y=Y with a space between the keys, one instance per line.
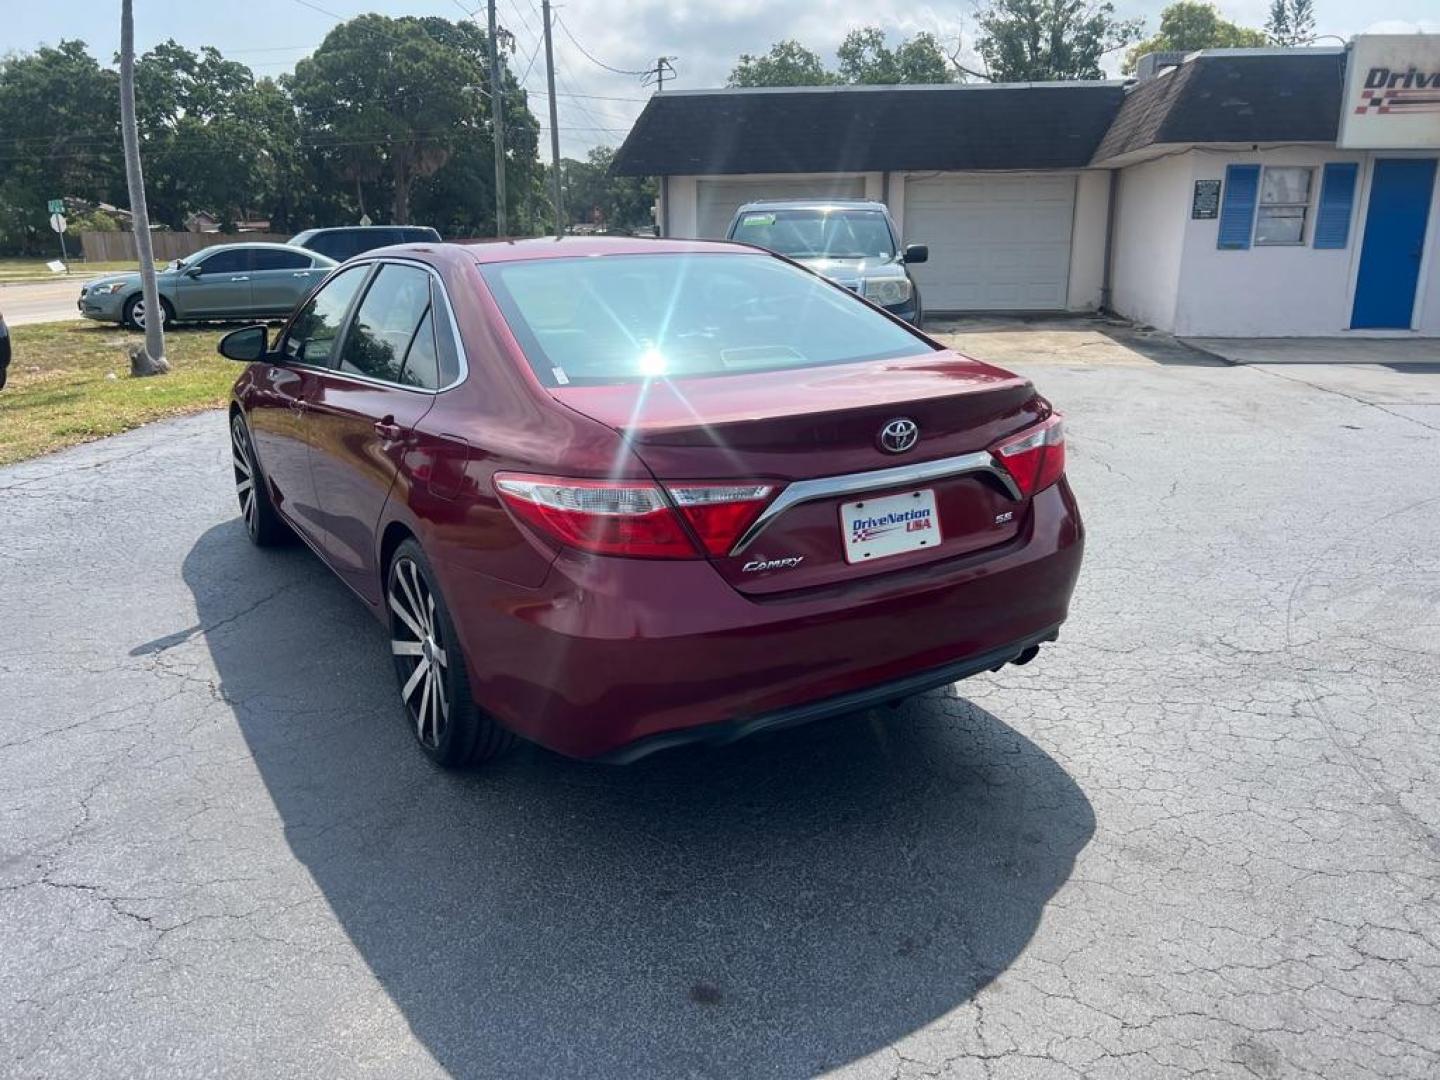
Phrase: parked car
x=351 y=240
x=227 y=281
x=4 y=352
x=853 y=242
x=614 y=494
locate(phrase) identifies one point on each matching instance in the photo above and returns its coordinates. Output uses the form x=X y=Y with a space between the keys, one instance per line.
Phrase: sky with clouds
x=595 y=105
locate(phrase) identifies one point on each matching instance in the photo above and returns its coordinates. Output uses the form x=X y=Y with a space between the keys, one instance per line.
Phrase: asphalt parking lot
x=1200 y=835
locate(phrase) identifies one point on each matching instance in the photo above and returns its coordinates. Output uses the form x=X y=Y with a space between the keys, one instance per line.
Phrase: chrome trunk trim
x=829 y=487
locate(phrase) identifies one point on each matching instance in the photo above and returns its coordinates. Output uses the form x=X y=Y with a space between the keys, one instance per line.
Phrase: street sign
x=55 y=206
x=57 y=222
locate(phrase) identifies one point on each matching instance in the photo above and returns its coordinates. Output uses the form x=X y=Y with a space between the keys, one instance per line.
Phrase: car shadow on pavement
x=777 y=907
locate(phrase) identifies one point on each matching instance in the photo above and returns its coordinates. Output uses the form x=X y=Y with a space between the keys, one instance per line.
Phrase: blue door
x=1394 y=241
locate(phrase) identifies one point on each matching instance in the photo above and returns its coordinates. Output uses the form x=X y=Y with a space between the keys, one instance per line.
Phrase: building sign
x=1206 y=202
x=1392 y=93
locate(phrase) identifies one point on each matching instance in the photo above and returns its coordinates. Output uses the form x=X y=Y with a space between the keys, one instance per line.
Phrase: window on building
x=1284 y=205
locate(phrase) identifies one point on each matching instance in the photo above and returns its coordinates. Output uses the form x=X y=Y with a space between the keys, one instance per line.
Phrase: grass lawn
x=60 y=394
x=21 y=270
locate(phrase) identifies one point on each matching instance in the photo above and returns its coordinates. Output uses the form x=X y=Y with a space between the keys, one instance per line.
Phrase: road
x=1200 y=835
x=48 y=301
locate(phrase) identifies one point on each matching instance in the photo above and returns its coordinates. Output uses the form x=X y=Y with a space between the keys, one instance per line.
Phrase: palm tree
x=148 y=359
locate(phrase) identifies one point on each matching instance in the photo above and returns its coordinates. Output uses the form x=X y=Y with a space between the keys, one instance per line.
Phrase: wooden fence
x=120 y=246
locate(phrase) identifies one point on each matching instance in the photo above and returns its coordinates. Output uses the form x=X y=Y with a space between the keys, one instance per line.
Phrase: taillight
x=1036 y=457
x=719 y=513
x=633 y=517
x=608 y=518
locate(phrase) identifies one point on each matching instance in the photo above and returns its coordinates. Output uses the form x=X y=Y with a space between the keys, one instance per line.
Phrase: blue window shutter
x=1237 y=210
x=1337 y=195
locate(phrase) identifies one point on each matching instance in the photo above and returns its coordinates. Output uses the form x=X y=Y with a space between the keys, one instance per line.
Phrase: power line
x=601 y=63
x=321 y=10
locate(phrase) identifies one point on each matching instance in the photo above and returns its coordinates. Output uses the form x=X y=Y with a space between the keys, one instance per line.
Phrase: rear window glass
x=833 y=234
x=623 y=317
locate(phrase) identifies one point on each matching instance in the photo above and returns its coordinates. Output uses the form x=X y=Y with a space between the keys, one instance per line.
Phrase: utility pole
x=149 y=358
x=554 y=123
x=497 y=121
x=657 y=74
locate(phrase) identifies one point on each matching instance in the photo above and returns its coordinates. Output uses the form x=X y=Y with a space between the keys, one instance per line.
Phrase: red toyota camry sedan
x=614 y=495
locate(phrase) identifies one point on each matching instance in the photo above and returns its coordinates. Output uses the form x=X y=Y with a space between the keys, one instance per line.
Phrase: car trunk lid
x=800 y=430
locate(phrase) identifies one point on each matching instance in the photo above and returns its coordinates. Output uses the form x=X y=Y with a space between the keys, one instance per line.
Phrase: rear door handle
x=388 y=430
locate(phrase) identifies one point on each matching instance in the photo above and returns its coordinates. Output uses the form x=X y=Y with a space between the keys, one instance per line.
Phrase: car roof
x=361 y=228
x=266 y=245
x=813 y=204
x=260 y=245
x=549 y=247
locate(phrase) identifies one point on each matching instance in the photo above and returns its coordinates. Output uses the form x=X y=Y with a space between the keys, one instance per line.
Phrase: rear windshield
x=342 y=244
x=810 y=234
x=621 y=317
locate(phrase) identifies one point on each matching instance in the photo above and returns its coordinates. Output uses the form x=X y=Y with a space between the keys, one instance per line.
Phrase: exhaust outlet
x=1026 y=656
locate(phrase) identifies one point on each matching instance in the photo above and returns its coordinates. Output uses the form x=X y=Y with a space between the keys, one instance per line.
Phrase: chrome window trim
x=828 y=487
x=373 y=264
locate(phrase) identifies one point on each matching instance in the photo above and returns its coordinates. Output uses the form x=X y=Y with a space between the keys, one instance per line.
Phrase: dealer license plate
x=874 y=528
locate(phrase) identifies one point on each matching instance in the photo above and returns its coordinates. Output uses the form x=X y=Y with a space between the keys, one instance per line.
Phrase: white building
x=1239 y=193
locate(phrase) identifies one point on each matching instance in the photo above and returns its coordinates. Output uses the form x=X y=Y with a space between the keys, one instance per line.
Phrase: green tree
x=1039 y=40
x=1190 y=25
x=59 y=136
x=459 y=199
x=594 y=196
x=205 y=135
x=866 y=58
x=1291 y=22
x=788 y=63
x=395 y=99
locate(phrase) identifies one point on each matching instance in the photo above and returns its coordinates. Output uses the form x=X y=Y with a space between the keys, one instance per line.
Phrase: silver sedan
x=228 y=281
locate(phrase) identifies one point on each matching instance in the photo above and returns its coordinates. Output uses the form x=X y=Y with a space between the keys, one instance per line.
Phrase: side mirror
x=193 y=271
x=247 y=344
x=917 y=253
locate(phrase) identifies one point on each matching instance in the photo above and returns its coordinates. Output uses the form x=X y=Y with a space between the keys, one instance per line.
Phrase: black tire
x=430 y=669
x=134 y=313
x=263 y=523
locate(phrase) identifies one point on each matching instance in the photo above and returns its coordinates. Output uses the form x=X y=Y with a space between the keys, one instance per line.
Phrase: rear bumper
x=728 y=731
x=618 y=657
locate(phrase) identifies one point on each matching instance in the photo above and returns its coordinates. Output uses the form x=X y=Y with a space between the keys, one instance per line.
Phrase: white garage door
x=997 y=243
x=717 y=200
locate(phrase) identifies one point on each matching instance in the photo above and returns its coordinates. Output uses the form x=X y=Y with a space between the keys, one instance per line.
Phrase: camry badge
x=899 y=435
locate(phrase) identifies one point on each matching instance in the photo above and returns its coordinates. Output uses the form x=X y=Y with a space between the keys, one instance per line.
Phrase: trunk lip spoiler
x=827 y=487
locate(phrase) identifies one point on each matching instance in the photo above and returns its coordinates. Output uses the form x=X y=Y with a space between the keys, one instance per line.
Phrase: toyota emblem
x=899 y=435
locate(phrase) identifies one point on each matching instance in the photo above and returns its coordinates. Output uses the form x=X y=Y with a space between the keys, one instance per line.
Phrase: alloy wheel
x=138 y=313
x=417 y=644
x=244 y=465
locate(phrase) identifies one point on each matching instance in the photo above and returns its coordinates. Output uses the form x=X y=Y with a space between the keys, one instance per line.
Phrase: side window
x=1284 y=205
x=234 y=261
x=312 y=335
x=267 y=259
x=445 y=346
x=385 y=323
x=422 y=366
x=348 y=245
